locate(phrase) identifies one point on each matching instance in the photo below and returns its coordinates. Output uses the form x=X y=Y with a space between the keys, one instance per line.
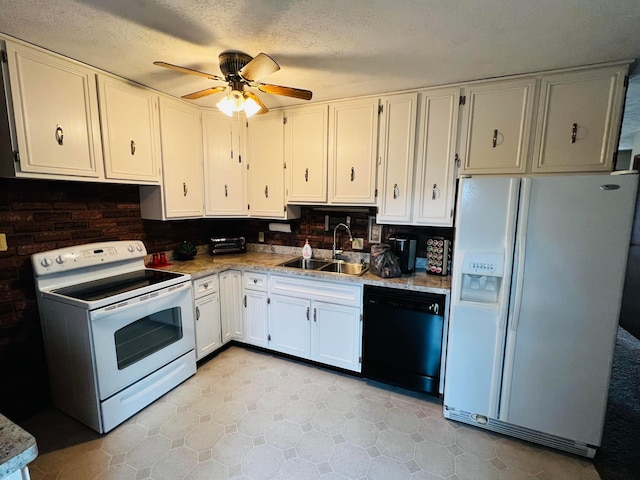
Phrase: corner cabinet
x=305 y=153
x=130 y=131
x=55 y=109
x=181 y=194
x=579 y=120
x=207 y=315
x=255 y=308
x=496 y=126
x=353 y=140
x=396 y=153
x=231 y=305
x=265 y=156
x=225 y=165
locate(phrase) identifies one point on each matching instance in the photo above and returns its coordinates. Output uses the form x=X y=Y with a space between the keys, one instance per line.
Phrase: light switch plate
x=357 y=244
x=261 y=237
x=3 y=242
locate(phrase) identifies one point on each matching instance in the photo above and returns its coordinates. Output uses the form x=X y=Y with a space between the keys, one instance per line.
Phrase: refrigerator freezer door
x=559 y=348
x=485 y=228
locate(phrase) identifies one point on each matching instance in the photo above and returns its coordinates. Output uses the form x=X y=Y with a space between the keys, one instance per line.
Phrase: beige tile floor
x=251 y=415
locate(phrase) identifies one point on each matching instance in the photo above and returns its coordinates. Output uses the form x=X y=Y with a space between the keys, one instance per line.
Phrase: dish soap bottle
x=306 y=250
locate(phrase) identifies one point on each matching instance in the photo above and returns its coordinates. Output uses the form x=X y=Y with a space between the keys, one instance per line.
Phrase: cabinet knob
x=574 y=132
x=255 y=280
x=133 y=147
x=59 y=135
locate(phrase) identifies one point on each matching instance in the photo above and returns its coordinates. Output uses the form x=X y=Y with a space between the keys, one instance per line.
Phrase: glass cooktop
x=110 y=286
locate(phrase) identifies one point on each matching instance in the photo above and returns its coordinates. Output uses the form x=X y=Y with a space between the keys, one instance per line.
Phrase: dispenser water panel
x=482 y=277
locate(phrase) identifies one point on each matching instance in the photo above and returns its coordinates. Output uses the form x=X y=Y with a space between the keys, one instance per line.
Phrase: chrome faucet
x=338 y=252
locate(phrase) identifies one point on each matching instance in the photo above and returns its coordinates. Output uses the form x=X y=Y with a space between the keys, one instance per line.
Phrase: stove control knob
x=46 y=262
x=130 y=248
x=60 y=259
x=139 y=247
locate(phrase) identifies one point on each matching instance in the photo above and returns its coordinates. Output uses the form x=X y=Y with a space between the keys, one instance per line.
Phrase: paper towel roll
x=280 y=227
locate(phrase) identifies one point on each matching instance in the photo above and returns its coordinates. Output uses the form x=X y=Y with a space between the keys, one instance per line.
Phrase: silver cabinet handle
x=307 y=313
x=495 y=139
x=315 y=314
x=306 y=174
x=205 y=285
x=185 y=190
x=59 y=135
x=245 y=300
x=266 y=191
x=133 y=147
x=197 y=313
x=435 y=192
x=574 y=132
x=255 y=281
x=226 y=192
x=396 y=191
x=353 y=174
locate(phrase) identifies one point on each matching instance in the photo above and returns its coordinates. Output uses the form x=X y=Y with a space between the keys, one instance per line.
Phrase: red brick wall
x=39 y=215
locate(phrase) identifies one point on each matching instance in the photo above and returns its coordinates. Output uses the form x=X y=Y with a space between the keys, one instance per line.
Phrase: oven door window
x=147 y=335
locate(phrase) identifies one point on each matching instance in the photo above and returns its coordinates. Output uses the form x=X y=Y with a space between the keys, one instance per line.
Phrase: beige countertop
x=17 y=447
x=204 y=264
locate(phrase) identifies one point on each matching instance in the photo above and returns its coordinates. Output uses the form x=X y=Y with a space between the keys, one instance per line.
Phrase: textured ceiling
x=337 y=49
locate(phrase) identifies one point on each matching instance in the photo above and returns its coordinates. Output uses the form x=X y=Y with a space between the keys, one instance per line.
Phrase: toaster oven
x=223 y=245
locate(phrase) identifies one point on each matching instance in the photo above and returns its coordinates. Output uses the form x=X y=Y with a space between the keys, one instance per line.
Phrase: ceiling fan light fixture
x=231 y=102
x=250 y=107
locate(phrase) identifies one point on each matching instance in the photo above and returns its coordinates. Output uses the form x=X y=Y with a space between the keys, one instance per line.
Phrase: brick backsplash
x=40 y=215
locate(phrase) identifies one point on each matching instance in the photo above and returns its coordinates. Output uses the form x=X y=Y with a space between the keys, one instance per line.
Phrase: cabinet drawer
x=255 y=281
x=332 y=292
x=205 y=286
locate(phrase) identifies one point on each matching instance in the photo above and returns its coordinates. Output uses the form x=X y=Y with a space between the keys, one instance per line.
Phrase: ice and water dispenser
x=482 y=277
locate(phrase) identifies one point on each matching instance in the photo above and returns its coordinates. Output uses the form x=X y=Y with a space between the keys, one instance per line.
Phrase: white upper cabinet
x=396 y=151
x=265 y=154
x=353 y=139
x=55 y=108
x=130 y=131
x=434 y=192
x=182 y=192
x=496 y=126
x=224 y=165
x=578 y=120
x=305 y=153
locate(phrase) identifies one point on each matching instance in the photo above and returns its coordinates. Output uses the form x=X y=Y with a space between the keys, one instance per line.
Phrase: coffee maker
x=404 y=246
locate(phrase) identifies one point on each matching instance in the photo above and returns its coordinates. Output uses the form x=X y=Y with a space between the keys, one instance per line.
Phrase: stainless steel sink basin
x=345 y=268
x=308 y=264
x=328 y=266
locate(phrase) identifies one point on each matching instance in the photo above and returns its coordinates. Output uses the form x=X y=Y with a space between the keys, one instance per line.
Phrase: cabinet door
x=353 y=139
x=336 y=335
x=231 y=305
x=435 y=165
x=255 y=317
x=224 y=165
x=305 y=151
x=497 y=126
x=130 y=131
x=56 y=114
x=207 y=314
x=265 y=143
x=181 y=134
x=396 y=151
x=289 y=325
x=578 y=120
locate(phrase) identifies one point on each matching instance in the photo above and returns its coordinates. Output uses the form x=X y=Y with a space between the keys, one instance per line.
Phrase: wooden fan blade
x=263 y=107
x=210 y=76
x=285 y=91
x=261 y=66
x=204 y=93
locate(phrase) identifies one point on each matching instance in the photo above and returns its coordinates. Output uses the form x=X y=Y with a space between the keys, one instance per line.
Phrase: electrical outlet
x=261 y=237
x=3 y=242
x=357 y=244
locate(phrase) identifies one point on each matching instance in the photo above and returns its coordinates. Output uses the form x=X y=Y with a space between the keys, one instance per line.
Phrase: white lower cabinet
x=254 y=314
x=207 y=315
x=316 y=320
x=231 y=305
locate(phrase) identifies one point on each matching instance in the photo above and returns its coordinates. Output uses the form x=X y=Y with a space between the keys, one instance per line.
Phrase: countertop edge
x=18 y=448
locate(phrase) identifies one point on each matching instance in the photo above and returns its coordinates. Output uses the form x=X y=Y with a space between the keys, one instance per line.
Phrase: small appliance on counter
x=438 y=254
x=404 y=246
x=223 y=245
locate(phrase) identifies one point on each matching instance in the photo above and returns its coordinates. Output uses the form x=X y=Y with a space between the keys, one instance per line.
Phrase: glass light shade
x=232 y=102
x=250 y=106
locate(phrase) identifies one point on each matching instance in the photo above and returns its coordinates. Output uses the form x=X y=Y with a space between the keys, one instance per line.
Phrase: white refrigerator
x=538 y=271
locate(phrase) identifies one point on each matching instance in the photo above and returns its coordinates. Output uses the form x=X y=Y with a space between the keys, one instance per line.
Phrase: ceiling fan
x=240 y=70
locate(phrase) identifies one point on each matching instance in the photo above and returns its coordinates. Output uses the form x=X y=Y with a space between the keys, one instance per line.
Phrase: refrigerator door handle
x=521 y=244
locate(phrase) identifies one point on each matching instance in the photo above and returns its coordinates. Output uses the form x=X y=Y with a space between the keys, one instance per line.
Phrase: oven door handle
x=136 y=302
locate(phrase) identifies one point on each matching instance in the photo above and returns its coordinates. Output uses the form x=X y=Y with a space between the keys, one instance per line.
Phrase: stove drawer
x=205 y=286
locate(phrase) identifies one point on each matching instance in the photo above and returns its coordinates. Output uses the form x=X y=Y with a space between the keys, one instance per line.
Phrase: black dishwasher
x=402 y=337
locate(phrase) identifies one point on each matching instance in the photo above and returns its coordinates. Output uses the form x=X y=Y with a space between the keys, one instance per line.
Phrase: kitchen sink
x=328 y=266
